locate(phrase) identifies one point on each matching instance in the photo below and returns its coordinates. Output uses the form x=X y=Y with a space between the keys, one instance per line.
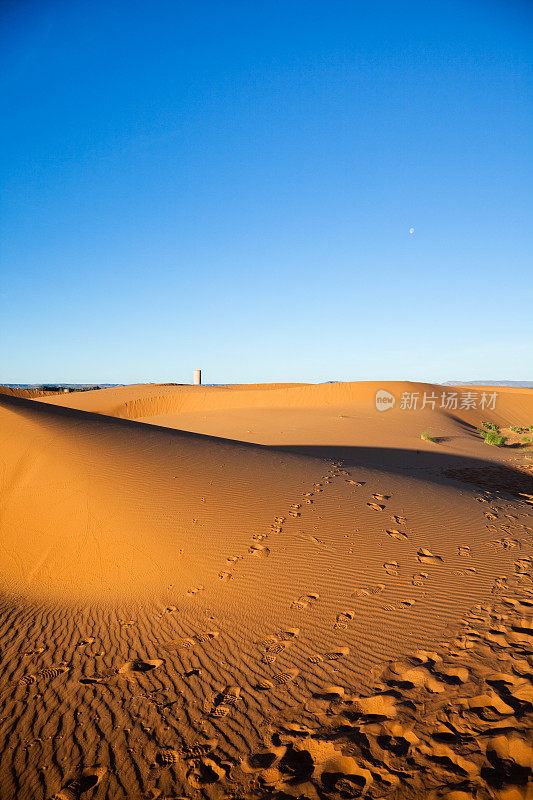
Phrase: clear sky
x=231 y=185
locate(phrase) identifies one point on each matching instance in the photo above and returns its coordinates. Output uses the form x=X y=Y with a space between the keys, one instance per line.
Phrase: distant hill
x=517 y=384
x=62 y=385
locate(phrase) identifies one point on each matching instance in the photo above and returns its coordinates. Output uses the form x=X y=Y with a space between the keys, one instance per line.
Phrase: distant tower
x=197 y=377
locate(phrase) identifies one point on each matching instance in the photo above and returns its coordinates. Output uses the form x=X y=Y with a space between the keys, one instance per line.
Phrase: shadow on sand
x=442 y=468
x=423 y=465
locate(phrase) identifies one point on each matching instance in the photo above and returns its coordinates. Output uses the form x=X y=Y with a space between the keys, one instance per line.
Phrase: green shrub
x=491 y=426
x=427 y=438
x=493 y=438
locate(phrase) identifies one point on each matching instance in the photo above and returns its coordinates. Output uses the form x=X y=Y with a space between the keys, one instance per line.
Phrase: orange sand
x=264 y=591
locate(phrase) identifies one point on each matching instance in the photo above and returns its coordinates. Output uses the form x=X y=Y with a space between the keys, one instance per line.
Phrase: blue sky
x=230 y=185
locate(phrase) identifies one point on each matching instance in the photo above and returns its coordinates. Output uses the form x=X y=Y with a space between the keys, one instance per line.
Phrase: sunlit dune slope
x=15 y=391
x=97 y=506
x=323 y=414
x=184 y=615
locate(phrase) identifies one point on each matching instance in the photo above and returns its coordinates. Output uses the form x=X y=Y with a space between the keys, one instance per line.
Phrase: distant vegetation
x=494 y=439
x=46 y=387
x=427 y=438
x=491 y=433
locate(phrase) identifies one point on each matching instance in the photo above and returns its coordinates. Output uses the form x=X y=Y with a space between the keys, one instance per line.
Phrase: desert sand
x=266 y=591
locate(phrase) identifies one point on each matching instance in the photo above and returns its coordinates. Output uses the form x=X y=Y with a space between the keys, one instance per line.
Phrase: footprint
x=139 y=666
x=334 y=655
x=523 y=566
x=363 y=591
x=27 y=680
x=287 y=676
x=500 y=584
x=230 y=695
x=304 y=601
x=419 y=578
x=232 y=559
x=394 y=534
x=329 y=692
x=288 y=634
x=186 y=644
x=263 y=684
x=366 y=591
x=391 y=568
x=464 y=550
x=169 y=755
x=277 y=647
x=201 y=749
x=341 y=623
x=375 y=506
x=398 y=520
x=51 y=672
x=259 y=550
x=202 y=638
x=46 y=675
x=220 y=711
x=35 y=652
x=505 y=544
x=88 y=779
x=269 y=640
x=427 y=557
x=196 y=589
x=451 y=674
x=381 y=497
x=402 y=605
x=225 y=575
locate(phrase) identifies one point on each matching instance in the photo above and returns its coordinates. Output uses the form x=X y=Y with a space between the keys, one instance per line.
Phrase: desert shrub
x=491 y=426
x=495 y=439
x=427 y=438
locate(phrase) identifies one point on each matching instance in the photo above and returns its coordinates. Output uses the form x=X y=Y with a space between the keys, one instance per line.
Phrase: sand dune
x=267 y=591
x=15 y=391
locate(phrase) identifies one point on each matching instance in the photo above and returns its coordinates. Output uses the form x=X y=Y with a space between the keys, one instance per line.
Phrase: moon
x=411 y=230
